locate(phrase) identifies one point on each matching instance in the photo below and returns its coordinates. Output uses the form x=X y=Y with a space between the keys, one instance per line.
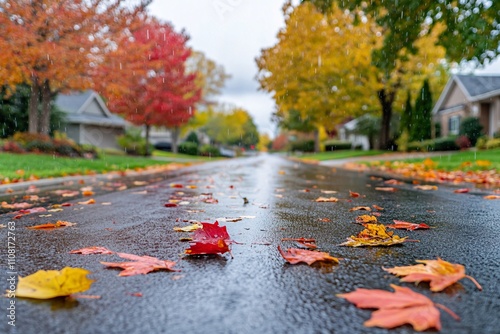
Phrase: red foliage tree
x=166 y=94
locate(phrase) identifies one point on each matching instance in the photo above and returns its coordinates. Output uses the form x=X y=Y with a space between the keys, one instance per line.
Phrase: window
x=453 y=125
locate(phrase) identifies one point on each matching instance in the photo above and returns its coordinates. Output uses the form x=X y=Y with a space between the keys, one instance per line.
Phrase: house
x=88 y=119
x=466 y=96
x=347 y=132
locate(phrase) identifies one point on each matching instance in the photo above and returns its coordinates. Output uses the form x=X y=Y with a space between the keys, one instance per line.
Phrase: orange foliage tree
x=54 y=45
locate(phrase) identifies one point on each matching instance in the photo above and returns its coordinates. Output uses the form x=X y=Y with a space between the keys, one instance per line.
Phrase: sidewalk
x=383 y=157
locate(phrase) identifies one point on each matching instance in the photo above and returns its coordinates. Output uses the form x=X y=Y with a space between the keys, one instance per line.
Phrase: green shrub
x=335 y=145
x=446 y=144
x=303 y=146
x=471 y=128
x=414 y=146
x=133 y=143
x=38 y=146
x=209 y=151
x=188 y=148
x=193 y=138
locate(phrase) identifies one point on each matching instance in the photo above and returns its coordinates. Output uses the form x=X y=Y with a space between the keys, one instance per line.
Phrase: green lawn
x=333 y=155
x=44 y=166
x=465 y=160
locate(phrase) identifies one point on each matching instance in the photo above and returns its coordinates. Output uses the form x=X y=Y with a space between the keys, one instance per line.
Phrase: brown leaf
x=492 y=197
x=362 y=208
x=461 y=191
x=354 y=194
x=376 y=207
x=441 y=274
x=403 y=306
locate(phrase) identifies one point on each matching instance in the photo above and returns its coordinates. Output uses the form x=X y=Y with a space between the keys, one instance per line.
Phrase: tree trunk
x=175 y=138
x=386 y=100
x=146 y=151
x=33 y=107
x=316 y=141
x=46 y=109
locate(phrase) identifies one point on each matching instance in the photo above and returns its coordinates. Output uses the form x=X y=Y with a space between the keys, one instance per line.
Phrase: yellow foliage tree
x=321 y=66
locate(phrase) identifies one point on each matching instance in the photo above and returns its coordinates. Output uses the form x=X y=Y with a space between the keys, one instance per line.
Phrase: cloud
x=232 y=33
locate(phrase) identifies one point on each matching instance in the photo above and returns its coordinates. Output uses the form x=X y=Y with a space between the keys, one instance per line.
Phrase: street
x=255 y=291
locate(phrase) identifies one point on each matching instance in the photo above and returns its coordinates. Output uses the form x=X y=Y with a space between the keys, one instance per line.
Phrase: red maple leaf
x=210 y=239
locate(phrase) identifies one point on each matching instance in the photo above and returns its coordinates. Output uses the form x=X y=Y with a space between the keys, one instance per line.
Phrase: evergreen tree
x=421 y=119
x=407 y=115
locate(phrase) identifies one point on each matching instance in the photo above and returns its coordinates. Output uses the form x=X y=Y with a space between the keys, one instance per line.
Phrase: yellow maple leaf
x=189 y=228
x=374 y=235
x=46 y=284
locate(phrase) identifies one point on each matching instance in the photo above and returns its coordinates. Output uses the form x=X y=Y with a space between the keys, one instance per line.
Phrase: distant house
x=88 y=119
x=347 y=132
x=466 y=96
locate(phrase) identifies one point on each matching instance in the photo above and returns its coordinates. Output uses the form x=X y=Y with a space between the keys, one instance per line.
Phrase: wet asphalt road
x=256 y=291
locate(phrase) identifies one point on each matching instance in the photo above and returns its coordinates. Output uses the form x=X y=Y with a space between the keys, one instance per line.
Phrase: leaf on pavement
x=402 y=225
x=492 y=197
x=326 y=199
x=441 y=274
x=305 y=243
x=364 y=219
x=140 y=264
x=354 y=194
x=23 y=205
x=378 y=208
x=374 y=235
x=211 y=239
x=296 y=255
x=92 y=250
x=403 y=306
x=426 y=187
x=189 y=228
x=90 y=201
x=362 y=208
x=46 y=284
x=386 y=189
x=461 y=191
x=58 y=224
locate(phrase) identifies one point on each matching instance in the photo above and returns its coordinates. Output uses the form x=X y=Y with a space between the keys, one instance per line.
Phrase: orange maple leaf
x=296 y=255
x=59 y=223
x=92 y=250
x=403 y=306
x=441 y=274
x=140 y=264
x=374 y=235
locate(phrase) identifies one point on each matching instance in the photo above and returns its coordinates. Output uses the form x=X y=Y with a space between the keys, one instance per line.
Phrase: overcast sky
x=232 y=33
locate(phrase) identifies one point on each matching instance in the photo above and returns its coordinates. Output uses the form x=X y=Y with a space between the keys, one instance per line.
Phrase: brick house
x=466 y=96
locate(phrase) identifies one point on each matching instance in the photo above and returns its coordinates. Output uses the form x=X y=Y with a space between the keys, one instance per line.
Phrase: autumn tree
x=320 y=66
x=54 y=45
x=233 y=126
x=165 y=95
x=210 y=77
x=472 y=31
